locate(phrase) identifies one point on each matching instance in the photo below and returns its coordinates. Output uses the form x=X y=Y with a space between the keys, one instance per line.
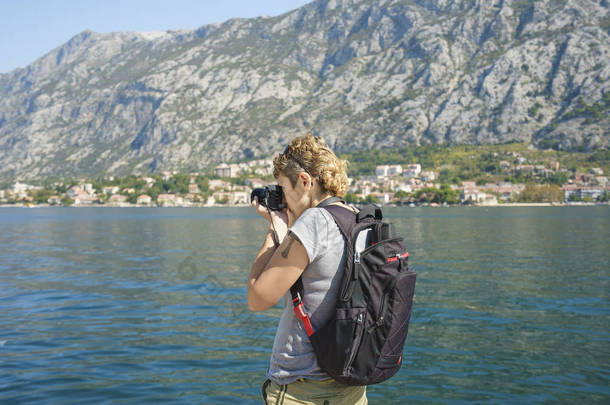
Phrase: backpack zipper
x=348 y=289
x=346 y=292
x=379 y=243
x=381 y=320
x=355 y=344
x=398 y=256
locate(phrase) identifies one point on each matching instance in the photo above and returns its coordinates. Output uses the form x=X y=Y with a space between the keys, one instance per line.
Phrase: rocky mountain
x=360 y=73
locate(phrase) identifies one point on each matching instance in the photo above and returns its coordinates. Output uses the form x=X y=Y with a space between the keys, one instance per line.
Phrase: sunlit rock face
x=360 y=73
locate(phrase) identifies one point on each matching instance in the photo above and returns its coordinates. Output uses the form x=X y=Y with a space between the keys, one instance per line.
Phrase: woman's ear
x=305 y=179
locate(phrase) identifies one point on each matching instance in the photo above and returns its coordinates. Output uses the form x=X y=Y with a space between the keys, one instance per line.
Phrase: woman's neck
x=319 y=198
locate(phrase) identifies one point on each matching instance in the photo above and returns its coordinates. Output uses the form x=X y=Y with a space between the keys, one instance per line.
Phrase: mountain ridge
x=361 y=73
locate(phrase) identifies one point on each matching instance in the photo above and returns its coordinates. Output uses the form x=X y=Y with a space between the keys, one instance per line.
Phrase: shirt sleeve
x=312 y=230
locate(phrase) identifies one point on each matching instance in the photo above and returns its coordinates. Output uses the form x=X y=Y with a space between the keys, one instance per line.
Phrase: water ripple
x=140 y=306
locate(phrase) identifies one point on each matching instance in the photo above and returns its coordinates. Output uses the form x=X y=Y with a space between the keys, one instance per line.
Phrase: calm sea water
x=148 y=305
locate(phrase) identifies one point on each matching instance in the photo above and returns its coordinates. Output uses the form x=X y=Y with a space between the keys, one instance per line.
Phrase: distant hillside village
x=391 y=181
x=394 y=184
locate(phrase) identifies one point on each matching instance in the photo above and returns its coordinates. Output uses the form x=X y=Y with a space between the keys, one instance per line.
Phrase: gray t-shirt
x=293 y=356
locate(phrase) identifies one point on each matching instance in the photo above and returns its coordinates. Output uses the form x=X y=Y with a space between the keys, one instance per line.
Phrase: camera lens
x=270 y=196
x=261 y=193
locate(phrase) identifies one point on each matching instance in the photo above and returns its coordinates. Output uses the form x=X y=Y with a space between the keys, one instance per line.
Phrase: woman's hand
x=262 y=210
x=279 y=221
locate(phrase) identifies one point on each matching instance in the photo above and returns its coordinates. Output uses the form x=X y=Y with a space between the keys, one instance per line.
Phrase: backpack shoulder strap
x=344 y=218
x=296 y=291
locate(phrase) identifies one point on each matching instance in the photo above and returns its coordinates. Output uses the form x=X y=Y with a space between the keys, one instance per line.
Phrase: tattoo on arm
x=287 y=249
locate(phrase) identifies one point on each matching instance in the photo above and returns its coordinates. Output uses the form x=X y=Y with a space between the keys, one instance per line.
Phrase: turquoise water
x=115 y=306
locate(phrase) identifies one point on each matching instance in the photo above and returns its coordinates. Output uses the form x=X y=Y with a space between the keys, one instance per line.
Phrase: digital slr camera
x=270 y=197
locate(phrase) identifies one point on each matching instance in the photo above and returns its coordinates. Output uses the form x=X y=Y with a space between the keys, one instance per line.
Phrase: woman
x=309 y=245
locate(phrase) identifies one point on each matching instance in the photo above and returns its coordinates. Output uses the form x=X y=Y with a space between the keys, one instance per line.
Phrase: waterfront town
x=392 y=184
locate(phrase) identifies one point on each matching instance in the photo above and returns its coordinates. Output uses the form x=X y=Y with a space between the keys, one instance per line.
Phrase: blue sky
x=31 y=28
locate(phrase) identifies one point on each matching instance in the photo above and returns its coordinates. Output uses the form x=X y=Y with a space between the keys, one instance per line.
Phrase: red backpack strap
x=299 y=309
x=344 y=219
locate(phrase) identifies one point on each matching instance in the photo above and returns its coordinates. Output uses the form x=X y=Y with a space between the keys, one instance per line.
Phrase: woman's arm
x=274 y=271
x=263 y=257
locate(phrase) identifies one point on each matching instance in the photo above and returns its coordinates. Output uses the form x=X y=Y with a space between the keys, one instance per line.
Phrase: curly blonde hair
x=312 y=155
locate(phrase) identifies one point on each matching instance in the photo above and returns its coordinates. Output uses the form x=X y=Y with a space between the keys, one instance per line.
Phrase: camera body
x=269 y=196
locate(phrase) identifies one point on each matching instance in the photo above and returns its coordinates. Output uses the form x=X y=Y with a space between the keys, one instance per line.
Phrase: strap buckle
x=299 y=311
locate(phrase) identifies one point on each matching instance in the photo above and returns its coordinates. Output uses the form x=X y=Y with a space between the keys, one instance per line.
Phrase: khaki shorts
x=311 y=392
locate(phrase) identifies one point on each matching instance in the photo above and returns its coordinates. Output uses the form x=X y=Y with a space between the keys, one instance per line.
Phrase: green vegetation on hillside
x=541 y=193
x=478 y=163
x=543 y=172
x=592 y=113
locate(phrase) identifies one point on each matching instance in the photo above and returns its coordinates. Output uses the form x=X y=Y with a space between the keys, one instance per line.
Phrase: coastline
x=554 y=204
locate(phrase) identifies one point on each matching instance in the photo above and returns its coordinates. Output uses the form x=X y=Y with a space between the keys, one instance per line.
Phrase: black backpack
x=362 y=343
